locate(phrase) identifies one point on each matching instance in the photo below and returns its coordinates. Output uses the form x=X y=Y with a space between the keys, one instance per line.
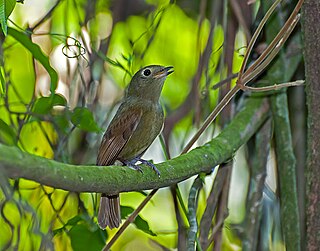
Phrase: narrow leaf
x=7 y=134
x=37 y=53
x=3 y=19
x=6 y=7
x=2 y=81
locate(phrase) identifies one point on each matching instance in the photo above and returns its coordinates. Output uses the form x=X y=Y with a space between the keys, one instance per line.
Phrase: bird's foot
x=148 y=163
x=132 y=164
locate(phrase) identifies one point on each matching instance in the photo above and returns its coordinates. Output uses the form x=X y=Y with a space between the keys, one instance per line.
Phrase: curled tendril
x=76 y=49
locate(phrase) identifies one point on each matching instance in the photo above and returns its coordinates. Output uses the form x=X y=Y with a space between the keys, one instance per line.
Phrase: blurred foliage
x=64 y=66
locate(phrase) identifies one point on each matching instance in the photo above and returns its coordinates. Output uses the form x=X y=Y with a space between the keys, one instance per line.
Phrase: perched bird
x=136 y=124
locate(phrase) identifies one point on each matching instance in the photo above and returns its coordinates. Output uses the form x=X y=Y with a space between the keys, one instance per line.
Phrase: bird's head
x=148 y=81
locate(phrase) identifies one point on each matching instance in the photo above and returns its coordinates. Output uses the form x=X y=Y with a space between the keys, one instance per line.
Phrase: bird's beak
x=164 y=72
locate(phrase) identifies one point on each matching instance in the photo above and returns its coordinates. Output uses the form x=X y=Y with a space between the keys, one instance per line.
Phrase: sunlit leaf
x=37 y=137
x=20 y=75
x=82 y=118
x=37 y=54
x=65 y=19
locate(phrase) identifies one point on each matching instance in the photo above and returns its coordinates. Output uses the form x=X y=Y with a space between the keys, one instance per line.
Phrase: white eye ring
x=146 y=72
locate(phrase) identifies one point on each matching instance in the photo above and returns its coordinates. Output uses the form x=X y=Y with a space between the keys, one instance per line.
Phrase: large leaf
x=37 y=54
x=6 y=7
x=83 y=238
x=139 y=222
x=72 y=222
x=38 y=137
x=20 y=75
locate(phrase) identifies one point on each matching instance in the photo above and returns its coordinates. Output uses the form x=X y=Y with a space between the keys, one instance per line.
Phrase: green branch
x=114 y=179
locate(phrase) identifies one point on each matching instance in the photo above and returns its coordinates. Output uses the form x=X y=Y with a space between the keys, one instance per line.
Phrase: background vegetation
x=64 y=67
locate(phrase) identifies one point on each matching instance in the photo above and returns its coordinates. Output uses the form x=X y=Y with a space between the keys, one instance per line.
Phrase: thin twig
x=263 y=61
x=222 y=210
x=215 y=229
x=288 y=26
x=46 y=17
x=255 y=36
x=291 y=22
x=211 y=205
x=226 y=99
x=130 y=219
x=235 y=5
x=224 y=81
x=272 y=87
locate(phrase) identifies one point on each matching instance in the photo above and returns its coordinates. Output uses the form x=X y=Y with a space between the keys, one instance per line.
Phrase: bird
x=137 y=122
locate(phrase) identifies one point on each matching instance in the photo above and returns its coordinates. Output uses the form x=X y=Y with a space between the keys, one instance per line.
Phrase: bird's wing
x=117 y=135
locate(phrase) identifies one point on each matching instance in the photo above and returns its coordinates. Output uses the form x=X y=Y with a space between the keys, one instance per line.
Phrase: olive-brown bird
x=136 y=124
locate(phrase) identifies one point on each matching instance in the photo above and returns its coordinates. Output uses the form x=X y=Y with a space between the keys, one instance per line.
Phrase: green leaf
x=126 y=211
x=72 y=222
x=63 y=120
x=83 y=119
x=83 y=238
x=37 y=54
x=44 y=104
x=143 y=225
x=139 y=222
x=3 y=19
x=7 y=134
x=6 y=7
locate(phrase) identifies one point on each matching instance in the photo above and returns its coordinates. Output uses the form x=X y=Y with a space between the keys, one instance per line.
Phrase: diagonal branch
x=114 y=179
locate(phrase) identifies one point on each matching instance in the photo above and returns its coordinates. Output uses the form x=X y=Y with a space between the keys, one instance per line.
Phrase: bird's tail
x=109 y=211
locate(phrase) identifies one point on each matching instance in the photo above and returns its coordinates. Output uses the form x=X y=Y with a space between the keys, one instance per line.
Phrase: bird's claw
x=132 y=164
x=150 y=165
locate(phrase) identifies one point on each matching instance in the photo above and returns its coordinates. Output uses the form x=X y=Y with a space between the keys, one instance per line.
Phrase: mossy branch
x=114 y=179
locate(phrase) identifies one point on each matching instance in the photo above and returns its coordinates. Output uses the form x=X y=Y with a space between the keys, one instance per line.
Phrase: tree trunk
x=311 y=30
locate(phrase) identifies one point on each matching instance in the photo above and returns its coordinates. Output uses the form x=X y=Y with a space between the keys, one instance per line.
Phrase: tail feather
x=109 y=211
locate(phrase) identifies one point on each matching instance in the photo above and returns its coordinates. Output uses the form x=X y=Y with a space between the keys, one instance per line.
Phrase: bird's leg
x=132 y=164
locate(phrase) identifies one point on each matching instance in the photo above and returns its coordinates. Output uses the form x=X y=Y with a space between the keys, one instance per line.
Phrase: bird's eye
x=146 y=72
